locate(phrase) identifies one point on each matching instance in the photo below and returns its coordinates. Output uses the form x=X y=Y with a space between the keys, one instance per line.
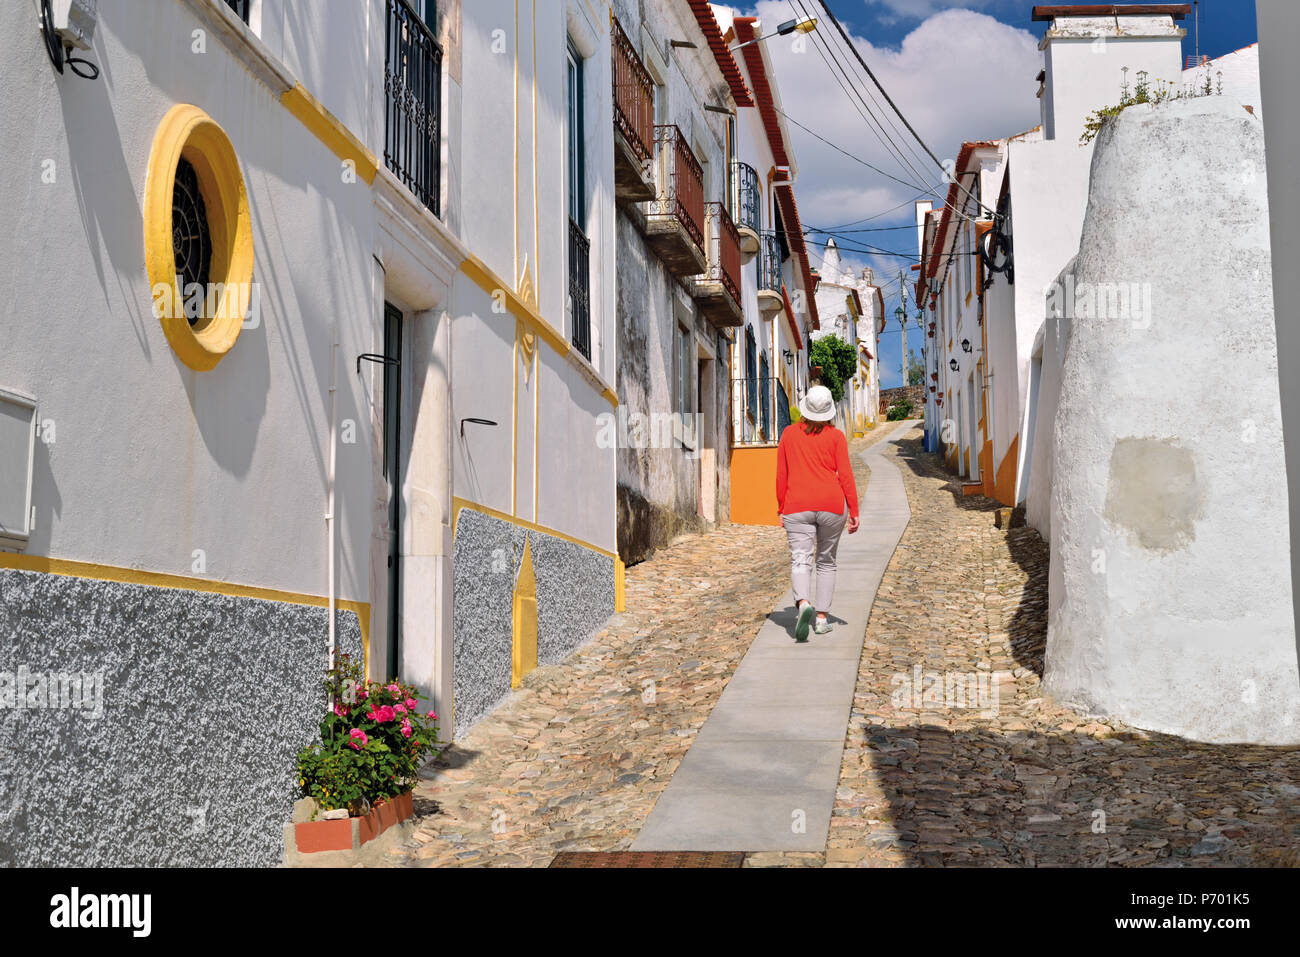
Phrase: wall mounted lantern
x=788 y=355
x=965 y=345
x=952 y=364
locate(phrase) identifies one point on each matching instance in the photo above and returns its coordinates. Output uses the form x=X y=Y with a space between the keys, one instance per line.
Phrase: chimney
x=1086 y=48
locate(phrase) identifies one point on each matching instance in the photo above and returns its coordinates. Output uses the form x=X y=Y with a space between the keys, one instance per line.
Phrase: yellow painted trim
x=458 y=503
x=137 y=576
x=537 y=432
x=523 y=618
x=514 y=421
x=516 y=132
x=327 y=128
x=537 y=214
x=620 y=585
x=492 y=284
x=188 y=132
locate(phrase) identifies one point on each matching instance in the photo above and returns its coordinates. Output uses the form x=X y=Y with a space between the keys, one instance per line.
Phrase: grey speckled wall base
x=575 y=595
x=206 y=700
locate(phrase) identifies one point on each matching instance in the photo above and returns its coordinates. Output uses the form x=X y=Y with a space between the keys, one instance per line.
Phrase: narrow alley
x=953 y=755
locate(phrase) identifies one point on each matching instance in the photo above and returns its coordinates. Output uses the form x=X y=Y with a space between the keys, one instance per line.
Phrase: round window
x=198 y=240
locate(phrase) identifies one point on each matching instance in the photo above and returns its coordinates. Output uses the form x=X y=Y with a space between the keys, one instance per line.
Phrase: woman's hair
x=812 y=428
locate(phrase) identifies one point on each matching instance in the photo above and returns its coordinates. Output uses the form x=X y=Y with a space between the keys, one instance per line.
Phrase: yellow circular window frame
x=187 y=132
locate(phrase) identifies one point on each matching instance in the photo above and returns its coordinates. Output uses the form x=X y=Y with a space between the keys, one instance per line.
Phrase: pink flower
x=341 y=711
x=431 y=715
x=394 y=689
x=382 y=713
x=400 y=708
x=406 y=727
x=412 y=704
x=356 y=734
x=361 y=694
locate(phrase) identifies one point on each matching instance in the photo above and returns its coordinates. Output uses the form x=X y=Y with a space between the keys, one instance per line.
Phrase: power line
x=844 y=35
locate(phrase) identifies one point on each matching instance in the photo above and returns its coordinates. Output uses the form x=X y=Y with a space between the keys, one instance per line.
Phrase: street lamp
x=807 y=25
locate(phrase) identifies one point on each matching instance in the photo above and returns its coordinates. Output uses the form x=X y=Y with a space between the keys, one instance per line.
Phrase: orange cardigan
x=813 y=472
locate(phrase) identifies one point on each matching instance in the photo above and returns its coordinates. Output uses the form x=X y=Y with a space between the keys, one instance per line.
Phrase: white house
x=389 y=408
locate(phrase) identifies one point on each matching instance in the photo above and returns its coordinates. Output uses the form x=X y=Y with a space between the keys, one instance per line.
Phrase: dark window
x=413 y=100
x=191 y=239
x=240 y=7
x=751 y=373
x=579 y=301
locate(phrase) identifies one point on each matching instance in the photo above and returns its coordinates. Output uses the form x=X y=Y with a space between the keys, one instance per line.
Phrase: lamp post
x=901 y=315
x=806 y=25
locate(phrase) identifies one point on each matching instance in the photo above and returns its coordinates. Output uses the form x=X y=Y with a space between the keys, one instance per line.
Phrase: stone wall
x=185 y=753
x=915 y=393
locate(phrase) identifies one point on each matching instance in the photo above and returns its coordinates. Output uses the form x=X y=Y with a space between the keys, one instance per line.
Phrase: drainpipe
x=330 y=525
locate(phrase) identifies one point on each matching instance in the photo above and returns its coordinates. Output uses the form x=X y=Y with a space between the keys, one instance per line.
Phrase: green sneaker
x=822 y=626
x=805 y=619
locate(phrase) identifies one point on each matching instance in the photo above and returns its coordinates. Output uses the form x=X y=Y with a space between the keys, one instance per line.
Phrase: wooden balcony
x=634 y=119
x=717 y=289
x=674 y=219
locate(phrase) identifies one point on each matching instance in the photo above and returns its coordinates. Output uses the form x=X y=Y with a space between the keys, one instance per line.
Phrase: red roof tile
x=726 y=62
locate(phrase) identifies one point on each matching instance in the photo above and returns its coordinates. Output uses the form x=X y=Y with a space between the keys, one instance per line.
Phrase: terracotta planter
x=350 y=833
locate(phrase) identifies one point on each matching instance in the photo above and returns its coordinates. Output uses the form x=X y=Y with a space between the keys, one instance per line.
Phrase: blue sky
x=959 y=70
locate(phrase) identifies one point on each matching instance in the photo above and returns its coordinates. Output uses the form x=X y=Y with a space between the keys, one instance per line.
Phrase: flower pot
x=350 y=833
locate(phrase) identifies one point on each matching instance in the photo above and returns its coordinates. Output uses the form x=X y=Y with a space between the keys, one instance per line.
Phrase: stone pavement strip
x=762 y=772
x=575 y=759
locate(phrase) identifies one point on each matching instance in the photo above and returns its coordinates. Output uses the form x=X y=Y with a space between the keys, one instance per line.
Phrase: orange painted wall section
x=753 y=486
x=1005 y=488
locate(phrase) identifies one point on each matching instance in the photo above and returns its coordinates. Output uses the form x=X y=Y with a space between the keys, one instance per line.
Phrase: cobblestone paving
x=931 y=783
x=577 y=757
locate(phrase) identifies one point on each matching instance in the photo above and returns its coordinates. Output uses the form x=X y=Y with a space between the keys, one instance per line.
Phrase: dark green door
x=393 y=473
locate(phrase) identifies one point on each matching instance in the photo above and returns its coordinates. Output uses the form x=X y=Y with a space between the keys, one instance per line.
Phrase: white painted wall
x=153 y=460
x=1186 y=625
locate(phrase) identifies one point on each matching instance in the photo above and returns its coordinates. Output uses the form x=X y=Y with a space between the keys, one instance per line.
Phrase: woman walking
x=817 y=499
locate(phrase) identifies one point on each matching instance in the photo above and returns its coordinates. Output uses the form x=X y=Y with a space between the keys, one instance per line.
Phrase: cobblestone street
x=982 y=772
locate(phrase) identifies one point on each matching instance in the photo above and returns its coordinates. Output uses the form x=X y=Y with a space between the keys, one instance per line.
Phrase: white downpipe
x=330 y=525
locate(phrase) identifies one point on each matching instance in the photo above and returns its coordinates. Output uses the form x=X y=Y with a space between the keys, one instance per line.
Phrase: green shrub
x=901 y=409
x=373 y=740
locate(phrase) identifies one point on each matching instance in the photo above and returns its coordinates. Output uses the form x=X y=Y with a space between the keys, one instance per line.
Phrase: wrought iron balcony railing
x=752 y=401
x=634 y=96
x=682 y=187
x=769 y=262
x=413 y=95
x=580 y=290
x=745 y=209
x=724 y=249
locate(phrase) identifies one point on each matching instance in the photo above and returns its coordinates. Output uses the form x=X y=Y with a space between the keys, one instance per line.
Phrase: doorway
x=393 y=474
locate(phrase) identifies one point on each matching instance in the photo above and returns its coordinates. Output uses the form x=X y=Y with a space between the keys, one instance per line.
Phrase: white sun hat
x=817 y=405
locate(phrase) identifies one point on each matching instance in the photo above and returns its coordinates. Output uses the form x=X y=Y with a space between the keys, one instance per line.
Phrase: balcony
x=634 y=118
x=760 y=409
x=745 y=209
x=769 y=274
x=717 y=289
x=674 y=219
x=413 y=101
x=579 y=298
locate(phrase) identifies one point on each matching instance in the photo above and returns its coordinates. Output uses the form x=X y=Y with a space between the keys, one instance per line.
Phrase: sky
x=958 y=70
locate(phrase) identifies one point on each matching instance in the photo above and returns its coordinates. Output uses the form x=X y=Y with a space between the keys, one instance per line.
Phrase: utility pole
x=902 y=320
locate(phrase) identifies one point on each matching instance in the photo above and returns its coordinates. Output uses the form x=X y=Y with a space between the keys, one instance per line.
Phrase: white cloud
x=958 y=75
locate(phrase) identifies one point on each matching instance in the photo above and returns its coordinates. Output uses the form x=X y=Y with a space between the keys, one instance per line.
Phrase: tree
x=838 y=360
x=915 y=369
